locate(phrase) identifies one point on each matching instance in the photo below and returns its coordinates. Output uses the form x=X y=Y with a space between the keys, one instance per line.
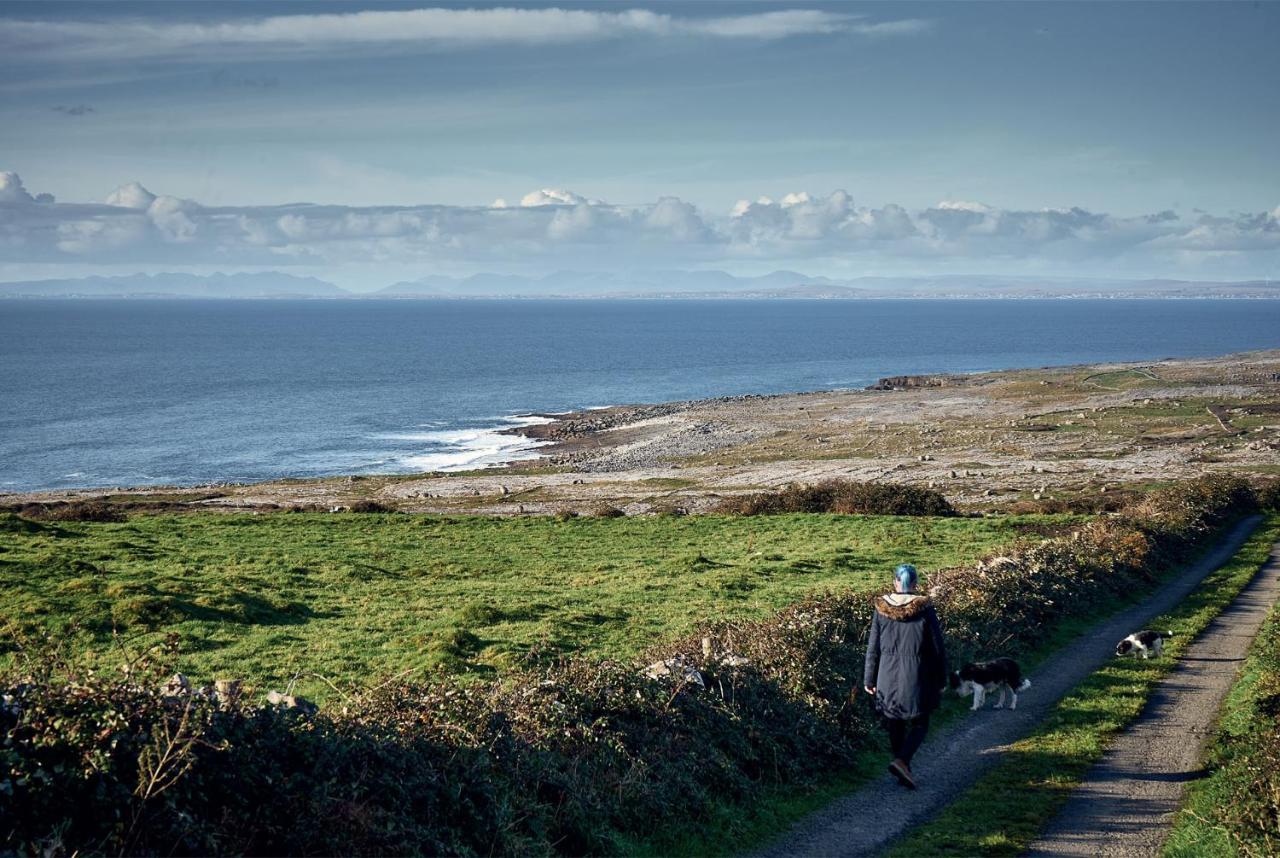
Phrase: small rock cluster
x=227 y=693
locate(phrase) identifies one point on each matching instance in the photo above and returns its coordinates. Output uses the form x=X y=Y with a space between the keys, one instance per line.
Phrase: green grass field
x=355 y=596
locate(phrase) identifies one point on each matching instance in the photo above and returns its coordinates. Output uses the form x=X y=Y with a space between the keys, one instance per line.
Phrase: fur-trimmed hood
x=901 y=606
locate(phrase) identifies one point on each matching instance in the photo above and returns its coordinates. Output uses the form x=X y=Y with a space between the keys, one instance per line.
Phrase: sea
x=102 y=393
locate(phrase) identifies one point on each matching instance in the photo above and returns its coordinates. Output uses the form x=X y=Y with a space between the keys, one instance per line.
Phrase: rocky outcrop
x=908 y=382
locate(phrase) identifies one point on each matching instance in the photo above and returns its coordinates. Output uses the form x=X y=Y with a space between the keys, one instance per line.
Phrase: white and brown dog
x=1145 y=643
x=982 y=677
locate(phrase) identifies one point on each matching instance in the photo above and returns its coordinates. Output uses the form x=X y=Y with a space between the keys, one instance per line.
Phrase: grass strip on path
x=1007 y=808
x=1235 y=810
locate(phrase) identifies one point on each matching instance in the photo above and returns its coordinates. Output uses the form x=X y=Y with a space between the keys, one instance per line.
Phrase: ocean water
x=130 y=392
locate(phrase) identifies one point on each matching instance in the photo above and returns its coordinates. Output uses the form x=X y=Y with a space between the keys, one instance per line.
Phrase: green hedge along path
x=868 y=820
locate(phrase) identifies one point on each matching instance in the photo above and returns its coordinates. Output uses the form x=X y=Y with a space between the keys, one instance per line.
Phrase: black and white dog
x=982 y=677
x=1145 y=643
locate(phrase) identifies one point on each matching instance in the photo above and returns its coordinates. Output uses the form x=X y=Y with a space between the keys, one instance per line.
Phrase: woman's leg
x=913 y=733
x=897 y=728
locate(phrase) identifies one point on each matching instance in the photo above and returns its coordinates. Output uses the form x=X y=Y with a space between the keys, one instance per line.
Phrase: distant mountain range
x=267 y=284
x=599 y=284
x=641 y=284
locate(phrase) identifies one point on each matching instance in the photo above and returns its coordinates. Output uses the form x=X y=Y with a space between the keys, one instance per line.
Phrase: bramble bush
x=571 y=756
x=1269 y=495
x=846 y=497
x=87 y=510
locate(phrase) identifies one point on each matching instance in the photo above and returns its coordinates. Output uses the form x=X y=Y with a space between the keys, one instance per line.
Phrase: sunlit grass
x=352 y=596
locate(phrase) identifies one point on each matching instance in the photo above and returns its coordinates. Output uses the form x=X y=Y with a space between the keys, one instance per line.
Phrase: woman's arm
x=872 y=669
x=939 y=645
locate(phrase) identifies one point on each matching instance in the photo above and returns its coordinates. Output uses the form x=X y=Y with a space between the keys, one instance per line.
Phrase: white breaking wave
x=468 y=449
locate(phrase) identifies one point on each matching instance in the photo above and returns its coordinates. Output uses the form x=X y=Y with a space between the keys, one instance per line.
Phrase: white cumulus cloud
x=131 y=196
x=567 y=228
x=554 y=197
x=135 y=38
x=12 y=190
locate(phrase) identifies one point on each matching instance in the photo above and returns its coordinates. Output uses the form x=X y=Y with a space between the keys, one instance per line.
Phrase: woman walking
x=906 y=668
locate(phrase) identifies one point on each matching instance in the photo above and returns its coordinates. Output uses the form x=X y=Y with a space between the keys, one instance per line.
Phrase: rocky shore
x=1000 y=440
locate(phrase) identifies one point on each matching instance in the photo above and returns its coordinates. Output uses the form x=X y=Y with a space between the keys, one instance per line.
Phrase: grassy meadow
x=353 y=597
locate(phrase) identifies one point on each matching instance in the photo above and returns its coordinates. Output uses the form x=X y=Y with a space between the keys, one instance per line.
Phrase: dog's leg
x=1014 y=704
x=978 y=694
x=1000 y=702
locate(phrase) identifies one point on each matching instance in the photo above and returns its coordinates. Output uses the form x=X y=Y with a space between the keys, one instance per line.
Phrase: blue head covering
x=906 y=575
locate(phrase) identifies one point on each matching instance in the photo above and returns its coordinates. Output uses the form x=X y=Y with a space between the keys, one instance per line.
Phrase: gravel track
x=867 y=820
x=1127 y=802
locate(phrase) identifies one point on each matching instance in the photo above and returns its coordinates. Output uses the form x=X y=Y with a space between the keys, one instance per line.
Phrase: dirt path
x=1127 y=802
x=953 y=758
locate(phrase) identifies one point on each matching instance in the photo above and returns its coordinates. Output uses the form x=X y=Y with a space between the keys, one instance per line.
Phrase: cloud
x=552 y=197
x=100 y=236
x=421 y=28
x=766 y=25
x=131 y=196
x=565 y=228
x=72 y=110
x=963 y=206
x=904 y=27
x=11 y=189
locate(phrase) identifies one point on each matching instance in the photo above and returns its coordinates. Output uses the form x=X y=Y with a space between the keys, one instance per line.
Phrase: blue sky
x=1135 y=139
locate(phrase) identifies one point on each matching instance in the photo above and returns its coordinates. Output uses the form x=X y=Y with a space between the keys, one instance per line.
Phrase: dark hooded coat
x=906 y=657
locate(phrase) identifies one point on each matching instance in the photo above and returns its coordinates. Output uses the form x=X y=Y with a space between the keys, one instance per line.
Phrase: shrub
x=88 y=510
x=367 y=505
x=887 y=499
x=1269 y=495
x=1084 y=504
x=842 y=496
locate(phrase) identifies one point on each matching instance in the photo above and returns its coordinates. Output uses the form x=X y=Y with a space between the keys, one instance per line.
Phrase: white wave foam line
x=467 y=449
x=529 y=419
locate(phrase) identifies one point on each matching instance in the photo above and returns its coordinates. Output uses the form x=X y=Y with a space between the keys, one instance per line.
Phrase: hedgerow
x=564 y=757
x=88 y=510
x=847 y=497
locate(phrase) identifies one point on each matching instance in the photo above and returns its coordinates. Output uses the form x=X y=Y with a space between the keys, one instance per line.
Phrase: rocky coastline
x=1000 y=440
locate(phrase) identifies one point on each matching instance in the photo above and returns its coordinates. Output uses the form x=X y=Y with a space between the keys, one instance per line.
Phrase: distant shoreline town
x=653 y=285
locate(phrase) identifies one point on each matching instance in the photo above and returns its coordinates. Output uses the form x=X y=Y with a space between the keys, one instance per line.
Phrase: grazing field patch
x=1123 y=379
x=349 y=596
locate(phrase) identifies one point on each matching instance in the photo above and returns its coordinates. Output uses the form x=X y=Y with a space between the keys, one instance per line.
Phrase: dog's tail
x=1026 y=683
x=1168 y=634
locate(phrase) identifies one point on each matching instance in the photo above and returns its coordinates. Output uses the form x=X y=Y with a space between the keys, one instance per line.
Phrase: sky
x=367 y=143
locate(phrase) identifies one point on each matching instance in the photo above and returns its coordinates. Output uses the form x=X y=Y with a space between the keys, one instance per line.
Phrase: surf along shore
x=1022 y=440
